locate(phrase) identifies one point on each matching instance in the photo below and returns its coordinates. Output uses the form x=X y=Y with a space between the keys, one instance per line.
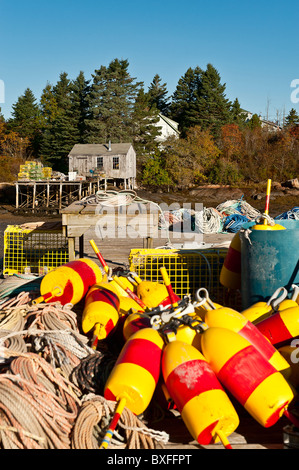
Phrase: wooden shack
x=116 y=162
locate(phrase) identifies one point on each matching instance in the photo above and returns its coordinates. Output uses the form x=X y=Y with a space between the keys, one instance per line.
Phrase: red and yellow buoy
x=70 y=282
x=200 y=398
x=136 y=372
x=230 y=275
x=134 y=322
x=134 y=377
x=101 y=312
x=291 y=354
x=247 y=375
x=281 y=327
x=231 y=319
x=261 y=310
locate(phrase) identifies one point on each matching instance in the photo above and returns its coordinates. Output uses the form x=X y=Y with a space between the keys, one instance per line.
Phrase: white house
x=168 y=128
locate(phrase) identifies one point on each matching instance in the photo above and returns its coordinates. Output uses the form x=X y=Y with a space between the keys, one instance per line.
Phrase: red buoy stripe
x=143 y=353
x=109 y=326
x=167 y=301
x=244 y=372
x=104 y=295
x=232 y=261
x=85 y=272
x=67 y=296
x=190 y=379
x=257 y=339
x=274 y=329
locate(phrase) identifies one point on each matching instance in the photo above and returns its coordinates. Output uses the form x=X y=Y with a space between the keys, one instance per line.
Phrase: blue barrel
x=269 y=259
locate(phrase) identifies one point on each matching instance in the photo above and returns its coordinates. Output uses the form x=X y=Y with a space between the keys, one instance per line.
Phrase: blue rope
x=288 y=214
x=234 y=222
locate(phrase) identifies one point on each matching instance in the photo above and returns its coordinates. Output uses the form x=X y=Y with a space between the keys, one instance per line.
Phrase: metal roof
x=99 y=149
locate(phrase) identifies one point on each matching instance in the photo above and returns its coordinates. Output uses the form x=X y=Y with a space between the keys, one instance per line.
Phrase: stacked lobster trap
x=33 y=250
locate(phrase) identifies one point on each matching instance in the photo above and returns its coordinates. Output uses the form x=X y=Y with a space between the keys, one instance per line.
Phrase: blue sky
x=253 y=45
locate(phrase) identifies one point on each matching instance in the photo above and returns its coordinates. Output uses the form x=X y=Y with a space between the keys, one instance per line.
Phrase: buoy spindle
x=130 y=292
x=223 y=438
x=99 y=255
x=168 y=286
x=292 y=418
x=42 y=298
x=109 y=433
x=267 y=200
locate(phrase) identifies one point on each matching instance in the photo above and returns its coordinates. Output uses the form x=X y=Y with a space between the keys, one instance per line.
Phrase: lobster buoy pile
x=101 y=345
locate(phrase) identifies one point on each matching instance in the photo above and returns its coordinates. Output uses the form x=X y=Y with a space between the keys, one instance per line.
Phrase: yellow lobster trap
x=34 y=249
x=188 y=270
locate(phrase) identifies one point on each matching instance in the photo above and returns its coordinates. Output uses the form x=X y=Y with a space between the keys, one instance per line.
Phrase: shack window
x=100 y=163
x=115 y=163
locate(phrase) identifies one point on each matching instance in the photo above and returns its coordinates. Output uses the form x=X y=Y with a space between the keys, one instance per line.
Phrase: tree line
x=217 y=143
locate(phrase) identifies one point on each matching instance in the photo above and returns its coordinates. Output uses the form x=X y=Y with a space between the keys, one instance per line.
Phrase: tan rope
x=95 y=415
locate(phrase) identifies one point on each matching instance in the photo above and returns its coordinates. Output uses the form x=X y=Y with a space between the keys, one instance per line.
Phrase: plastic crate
x=36 y=251
x=188 y=270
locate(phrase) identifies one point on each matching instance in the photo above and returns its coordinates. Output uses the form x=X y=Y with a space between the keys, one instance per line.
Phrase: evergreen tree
x=61 y=131
x=80 y=91
x=144 y=127
x=25 y=120
x=25 y=115
x=184 y=99
x=238 y=115
x=48 y=112
x=292 y=118
x=254 y=122
x=212 y=106
x=157 y=93
x=111 y=99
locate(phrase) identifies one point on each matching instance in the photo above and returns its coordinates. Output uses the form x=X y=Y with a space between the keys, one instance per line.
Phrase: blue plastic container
x=269 y=260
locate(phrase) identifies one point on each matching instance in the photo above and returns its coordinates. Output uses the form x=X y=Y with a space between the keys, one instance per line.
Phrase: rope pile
x=227 y=217
x=291 y=214
x=95 y=416
x=38 y=406
x=208 y=221
x=47 y=373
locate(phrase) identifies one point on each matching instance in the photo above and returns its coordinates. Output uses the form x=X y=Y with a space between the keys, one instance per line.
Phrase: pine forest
x=217 y=144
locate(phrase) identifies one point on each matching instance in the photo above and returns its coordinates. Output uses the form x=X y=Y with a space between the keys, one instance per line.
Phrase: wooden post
x=60 y=195
x=48 y=194
x=34 y=195
x=81 y=246
x=17 y=195
x=71 y=248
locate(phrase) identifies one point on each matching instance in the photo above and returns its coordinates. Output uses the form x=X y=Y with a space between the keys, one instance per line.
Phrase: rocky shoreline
x=282 y=197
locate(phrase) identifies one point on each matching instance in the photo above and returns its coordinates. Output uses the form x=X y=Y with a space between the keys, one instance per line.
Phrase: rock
x=294 y=183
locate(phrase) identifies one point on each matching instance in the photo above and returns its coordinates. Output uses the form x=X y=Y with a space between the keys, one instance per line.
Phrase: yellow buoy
x=231 y=319
x=230 y=275
x=136 y=372
x=101 y=312
x=69 y=282
x=262 y=310
x=247 y=375
x=201 y=400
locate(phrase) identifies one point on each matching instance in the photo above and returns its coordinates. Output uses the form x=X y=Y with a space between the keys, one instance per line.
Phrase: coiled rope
x=209 y=220
x=238 y=207
x=94 y=417
x=291 y=214
x=234 y=222
x=93 y=371
x=38 y=406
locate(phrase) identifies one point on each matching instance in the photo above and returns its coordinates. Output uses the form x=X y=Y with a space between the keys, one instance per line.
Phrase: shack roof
x=99 y=149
